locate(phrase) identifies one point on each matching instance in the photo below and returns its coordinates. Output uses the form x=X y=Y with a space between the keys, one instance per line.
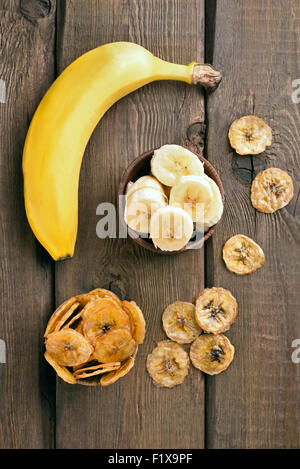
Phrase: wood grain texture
x=26 y=386
x=255 y=404
x=133 y=413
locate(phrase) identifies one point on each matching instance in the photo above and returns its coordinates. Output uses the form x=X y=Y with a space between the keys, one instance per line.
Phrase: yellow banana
x=64 y=122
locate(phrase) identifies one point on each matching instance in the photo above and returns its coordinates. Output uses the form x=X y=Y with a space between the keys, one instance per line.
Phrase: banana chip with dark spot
x=212 y=354
x=68 y=348
x=249 y=135
x=168 y=364
x=271 y=190
x=179 y=322
x=216 y=310
x=101 y=316
x=242 y=255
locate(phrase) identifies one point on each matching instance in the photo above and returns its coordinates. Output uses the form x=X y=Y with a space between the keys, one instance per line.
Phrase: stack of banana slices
x=172 y=202
x=201 y=325
x=93 y=338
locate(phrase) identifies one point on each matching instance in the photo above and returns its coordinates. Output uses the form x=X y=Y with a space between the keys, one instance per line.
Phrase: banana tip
x=206 y=76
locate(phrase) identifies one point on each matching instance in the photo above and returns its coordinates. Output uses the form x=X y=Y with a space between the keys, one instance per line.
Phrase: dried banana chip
x=114 y=346
x=179 y=322
x=113 y=376
x=137 y=321
x=212 y=354
x=64 y=318
x=58 y=314
x=168 y=364
x=96 y=370
x=61 y=371
x=271 y=190
x=249 y=135
x=216 y=310
x=101 y=316
x=68 y=348
x=242 y=255
x=102 y=293
x=72 y=321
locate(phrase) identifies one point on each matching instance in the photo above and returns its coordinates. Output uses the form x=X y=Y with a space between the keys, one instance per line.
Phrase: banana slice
x=144 y=182
x=193 y=194
x=112 y=377
x=216 y=310
x=212 y=354
x=141 y=204
x=170 y=162
x=271 y=190
x=68 y=348
x=242 y=255
x=179 y=322
x=95 y=370
x=60 y=312
x=168 y=364
x=114 y=346
x=250 y=135
x=61 y=371
x=101 y=316
x=213 y=211
x=137 y=321
x=171 y=228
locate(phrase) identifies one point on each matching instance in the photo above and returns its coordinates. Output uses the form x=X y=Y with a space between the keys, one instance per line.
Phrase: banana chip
x=96 y=370
x=114 y=346
x=271 y=190
x=212 y=354
x=68 y=348
x=61 y=371
x=249 y=135
x=137 y=321
x=113 y=376
x=179 y=322
x=101 y=316
x=168 y=364
x=216 y=310
x=58 y=314
x=242 y=255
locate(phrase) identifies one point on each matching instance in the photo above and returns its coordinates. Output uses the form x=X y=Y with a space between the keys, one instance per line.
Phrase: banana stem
x=194 y=73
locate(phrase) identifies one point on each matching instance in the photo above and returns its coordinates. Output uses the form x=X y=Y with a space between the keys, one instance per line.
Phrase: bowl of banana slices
x=170 y=199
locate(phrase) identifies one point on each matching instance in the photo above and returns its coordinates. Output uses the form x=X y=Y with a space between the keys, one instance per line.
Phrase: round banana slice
x=171 y=228
x=61 y=371
x=216 y=310
x=114 y=346
x=137 y=321
x=168 y=364
x=193 y=194
x=250 y=135
x=242 y=255
x=113 y=376
x=271 y=190
x=68 y=348
x=144 y=182
x=214 y=210
x=170 y=162
x=101 y=316
x=141 y=204
x=212 y=354
x=179 y=322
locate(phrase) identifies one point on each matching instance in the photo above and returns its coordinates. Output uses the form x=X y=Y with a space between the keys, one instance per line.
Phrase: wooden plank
x=27 y=388
x=132 y=413
x=255 y=404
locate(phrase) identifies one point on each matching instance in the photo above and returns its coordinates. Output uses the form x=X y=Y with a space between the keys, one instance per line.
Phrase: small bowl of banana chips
x=92 y=338
x=170 y=199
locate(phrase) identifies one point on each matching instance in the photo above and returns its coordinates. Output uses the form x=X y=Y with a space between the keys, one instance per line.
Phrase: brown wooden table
x=255 y=404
